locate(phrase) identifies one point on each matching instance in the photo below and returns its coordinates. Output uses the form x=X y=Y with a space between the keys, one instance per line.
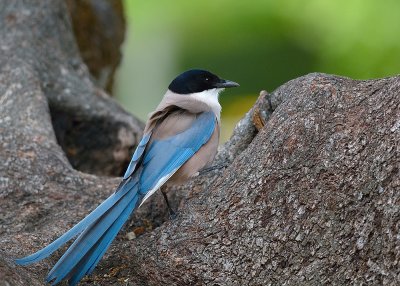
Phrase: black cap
x=196 y=80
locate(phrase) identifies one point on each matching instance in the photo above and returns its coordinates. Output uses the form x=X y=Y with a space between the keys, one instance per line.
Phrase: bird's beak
x=223 y=83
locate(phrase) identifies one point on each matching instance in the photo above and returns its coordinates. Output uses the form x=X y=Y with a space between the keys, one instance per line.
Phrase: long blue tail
x=96 y=232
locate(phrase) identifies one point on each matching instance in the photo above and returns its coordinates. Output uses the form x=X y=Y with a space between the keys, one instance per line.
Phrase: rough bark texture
x=307 y=189
x=37 y=46
x=99 y=28
x=314 y=199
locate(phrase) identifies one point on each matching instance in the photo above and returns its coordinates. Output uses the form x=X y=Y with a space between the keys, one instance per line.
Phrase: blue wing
x=165 y=157
x=150 y=167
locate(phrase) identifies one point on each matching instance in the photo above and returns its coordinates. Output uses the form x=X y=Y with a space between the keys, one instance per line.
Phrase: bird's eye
x=207 y=79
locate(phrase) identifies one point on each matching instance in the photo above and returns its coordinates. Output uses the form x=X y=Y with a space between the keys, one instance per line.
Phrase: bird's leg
x=172 y=214
x=212 y=168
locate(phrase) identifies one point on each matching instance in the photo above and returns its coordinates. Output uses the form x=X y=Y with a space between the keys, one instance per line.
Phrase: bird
x=180 y=139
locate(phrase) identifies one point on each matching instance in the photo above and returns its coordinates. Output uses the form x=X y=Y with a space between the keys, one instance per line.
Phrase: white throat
x=206 y=100
x=210 y=98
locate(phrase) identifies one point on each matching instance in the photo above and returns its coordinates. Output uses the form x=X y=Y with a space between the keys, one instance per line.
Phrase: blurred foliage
x=260 y=44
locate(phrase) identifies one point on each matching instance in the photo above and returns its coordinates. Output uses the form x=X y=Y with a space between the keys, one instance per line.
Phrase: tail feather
x=78 y=228
x=131 y=207
x=104 y=229
x=92 y=257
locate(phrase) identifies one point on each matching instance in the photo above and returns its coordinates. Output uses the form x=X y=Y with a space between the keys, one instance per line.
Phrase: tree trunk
x=307 y=190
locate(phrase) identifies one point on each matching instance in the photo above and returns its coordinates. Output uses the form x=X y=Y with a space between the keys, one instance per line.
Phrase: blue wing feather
x=137 y=155
x=174 y=151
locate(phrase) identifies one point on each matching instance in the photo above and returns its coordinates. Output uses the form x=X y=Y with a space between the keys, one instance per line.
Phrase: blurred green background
x=261 y=44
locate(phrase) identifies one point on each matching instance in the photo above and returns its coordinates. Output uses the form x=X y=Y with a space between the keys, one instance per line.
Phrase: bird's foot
x=172 y=213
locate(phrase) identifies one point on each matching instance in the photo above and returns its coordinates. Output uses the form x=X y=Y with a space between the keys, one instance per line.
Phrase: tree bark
x=306 y=190
x=99 y=29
